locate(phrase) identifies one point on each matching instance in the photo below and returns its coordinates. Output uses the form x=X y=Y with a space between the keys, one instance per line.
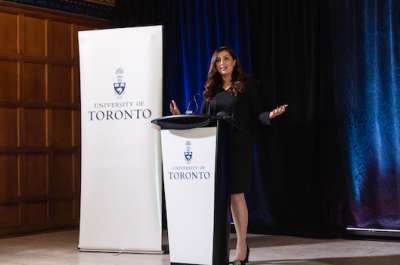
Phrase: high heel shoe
x=242 y=262
x=247 y=255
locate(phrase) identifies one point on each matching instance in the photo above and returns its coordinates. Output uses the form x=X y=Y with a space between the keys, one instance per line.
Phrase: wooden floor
x=60 y=248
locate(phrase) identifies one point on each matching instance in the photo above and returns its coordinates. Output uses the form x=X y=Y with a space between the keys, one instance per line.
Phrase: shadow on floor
x=276 y=241
x=378 y=260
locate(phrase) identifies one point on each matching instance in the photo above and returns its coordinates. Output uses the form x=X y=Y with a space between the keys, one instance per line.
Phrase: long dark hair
x=214 y=79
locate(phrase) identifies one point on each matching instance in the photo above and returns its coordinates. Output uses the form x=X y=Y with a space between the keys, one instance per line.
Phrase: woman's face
x=225 y=63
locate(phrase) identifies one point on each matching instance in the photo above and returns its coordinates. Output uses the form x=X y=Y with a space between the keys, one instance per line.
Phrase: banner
x=121 y=92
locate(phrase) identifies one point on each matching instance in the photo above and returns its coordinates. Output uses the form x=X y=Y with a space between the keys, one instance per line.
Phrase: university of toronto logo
x=188 y=152
x=119 y=85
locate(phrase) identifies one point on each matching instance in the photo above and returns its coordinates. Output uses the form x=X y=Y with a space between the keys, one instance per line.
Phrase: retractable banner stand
x=121 y=92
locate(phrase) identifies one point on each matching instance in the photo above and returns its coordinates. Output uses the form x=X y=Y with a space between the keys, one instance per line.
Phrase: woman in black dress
x=228 y=92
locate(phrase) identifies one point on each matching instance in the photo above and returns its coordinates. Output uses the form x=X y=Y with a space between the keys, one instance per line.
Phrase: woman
x=228 y=92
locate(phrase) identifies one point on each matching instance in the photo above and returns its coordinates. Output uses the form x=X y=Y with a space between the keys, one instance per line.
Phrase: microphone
x=193 y=99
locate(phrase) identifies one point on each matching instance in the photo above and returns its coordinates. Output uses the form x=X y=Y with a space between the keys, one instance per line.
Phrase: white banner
x=189 y=178
x=121 y=92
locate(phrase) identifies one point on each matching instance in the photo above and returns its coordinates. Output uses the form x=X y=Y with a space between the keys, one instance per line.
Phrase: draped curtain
x=277 y=42
x=288 y=195
x=194 y=29
x=362 y=47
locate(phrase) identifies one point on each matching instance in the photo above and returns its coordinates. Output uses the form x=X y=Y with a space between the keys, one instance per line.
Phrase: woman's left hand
x=278 y=111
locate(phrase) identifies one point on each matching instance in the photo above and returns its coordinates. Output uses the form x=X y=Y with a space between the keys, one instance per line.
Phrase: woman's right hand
x=174 y=108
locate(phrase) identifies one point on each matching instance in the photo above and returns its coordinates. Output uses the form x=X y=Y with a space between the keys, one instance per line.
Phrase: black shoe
x=247 y=255
x=242 y=262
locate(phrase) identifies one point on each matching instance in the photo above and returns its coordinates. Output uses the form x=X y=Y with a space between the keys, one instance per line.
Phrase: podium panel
x=189 y=181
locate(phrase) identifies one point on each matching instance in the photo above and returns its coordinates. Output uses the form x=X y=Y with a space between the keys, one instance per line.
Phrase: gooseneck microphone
x=192 y=100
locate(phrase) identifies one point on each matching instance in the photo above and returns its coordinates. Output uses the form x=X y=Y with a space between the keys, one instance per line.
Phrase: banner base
x=121 y=252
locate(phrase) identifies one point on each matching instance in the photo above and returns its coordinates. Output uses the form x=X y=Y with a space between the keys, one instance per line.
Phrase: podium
x=196 y=189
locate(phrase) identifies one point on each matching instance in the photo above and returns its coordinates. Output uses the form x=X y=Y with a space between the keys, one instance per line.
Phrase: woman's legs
x=240 y=219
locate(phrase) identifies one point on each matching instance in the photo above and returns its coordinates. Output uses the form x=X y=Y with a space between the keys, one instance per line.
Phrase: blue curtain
x=194 y=29
x=277 y=41
x=365 y=37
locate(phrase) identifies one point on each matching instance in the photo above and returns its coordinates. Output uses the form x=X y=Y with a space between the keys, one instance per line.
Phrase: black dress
x=246 y=114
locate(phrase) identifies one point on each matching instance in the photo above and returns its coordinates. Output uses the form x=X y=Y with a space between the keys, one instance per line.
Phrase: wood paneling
x=9 y=216
x=33 y=82
x=77 y=128
x=8 y=33
x=60 y=84
x=8 y=127
x=34 y=177
x=61 y=129
x=59 y=40
x=39 y=118
x=61 y=178
x=34 y=216
x=75 y=44
x=34 y=36
x=8 y=80
x=33 y=131
x=62 y=212
x=8 y=178
x=76 y=84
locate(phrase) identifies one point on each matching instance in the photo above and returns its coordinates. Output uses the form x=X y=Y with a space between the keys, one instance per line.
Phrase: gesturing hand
x=277 y=111
x=174 y=108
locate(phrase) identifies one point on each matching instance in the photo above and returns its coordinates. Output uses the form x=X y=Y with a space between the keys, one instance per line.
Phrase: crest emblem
x=188 y=152
x=119 y=85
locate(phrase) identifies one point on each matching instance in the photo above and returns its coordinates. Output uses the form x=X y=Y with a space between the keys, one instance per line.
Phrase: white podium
x=196 y=191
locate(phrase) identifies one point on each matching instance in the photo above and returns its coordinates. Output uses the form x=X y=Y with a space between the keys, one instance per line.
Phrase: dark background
x=278 y=42
x=333 y=159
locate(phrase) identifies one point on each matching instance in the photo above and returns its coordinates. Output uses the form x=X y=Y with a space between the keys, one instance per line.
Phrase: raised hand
x=174 y=108
x=277 y=111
